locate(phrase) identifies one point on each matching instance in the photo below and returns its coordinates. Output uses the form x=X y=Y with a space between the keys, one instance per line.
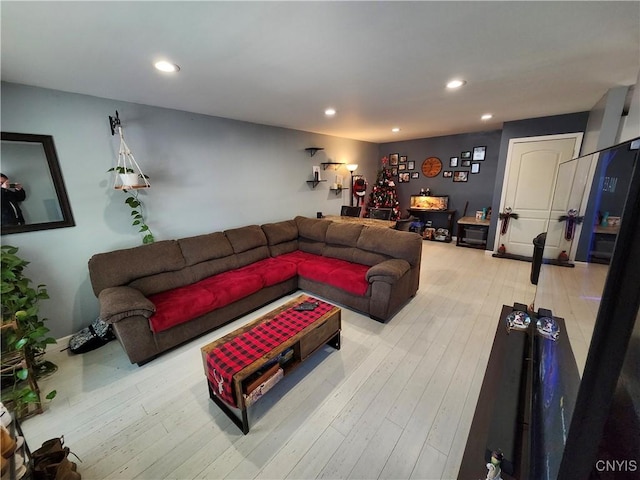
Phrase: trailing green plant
x=20 y=307
x=136 y=206
x=138 y=217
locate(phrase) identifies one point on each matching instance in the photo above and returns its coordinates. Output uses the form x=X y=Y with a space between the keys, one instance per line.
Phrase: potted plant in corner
x=24 y=337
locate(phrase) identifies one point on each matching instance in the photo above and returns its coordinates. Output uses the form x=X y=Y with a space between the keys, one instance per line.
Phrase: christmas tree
x=384 y=193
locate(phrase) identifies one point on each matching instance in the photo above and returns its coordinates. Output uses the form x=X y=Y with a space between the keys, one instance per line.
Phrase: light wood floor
x=396 y=402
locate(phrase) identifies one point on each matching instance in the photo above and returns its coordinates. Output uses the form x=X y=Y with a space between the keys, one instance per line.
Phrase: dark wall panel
x=477 y=190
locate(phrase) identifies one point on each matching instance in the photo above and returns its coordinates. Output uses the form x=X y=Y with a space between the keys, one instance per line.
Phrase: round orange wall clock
x=431 y=167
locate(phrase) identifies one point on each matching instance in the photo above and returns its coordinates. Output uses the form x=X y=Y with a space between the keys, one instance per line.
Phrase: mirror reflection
x=33 y=193
x=590 y=193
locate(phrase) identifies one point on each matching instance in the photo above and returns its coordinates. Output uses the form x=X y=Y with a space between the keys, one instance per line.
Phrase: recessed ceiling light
x=168 y=67
x=486 y=116
x=395 y=129
x=456 y=83
x=330 y=112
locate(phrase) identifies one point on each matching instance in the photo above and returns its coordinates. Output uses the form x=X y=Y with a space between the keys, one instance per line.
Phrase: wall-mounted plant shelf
x=338 y=190
x=314 y=183
x=131 y=187
x=313 y=150
x=333 y=165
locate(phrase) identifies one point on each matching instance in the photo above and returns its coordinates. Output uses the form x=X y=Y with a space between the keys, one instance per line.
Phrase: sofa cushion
x=348 y=276
x=246 y=238
x=282 y=237
x=214 y=267
x=229 y=287
x=312 y=228
x=298 y=256
x=205 y=247
x=345 y=234
x=162 y=282
x=312 y=234
x=395 y=244
x=272 y=270
x=252 y=256
x=179 y=305
x=182 y=304
x=280 y=232
x=342 y=240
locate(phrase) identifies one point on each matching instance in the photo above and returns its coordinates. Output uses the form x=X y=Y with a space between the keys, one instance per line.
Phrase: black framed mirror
x=30 y=163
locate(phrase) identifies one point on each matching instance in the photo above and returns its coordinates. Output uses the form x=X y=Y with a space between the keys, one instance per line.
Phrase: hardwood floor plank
x=373 y=459
x=430 y=464
x=317 y=458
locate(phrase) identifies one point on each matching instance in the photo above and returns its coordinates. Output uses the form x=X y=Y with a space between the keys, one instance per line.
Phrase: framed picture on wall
x=465 y=163
x=475 y=168
x=403 y=158
x=479 y=153
x=402 y=166
x=394 y=171
x=393 y=158
x=461 y=176
x=415 y=175
x=447 y=174
x=411 y=165
x=453 y=162
x=403 y=177
x=465 y=154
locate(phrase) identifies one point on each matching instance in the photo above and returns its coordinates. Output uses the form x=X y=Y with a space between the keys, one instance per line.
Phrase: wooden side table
x=472 y=233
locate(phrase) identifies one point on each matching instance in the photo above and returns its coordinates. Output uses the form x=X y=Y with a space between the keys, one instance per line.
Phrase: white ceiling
x=380 y=64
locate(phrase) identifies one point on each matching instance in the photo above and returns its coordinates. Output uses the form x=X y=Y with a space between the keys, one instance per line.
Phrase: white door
x=529 y=184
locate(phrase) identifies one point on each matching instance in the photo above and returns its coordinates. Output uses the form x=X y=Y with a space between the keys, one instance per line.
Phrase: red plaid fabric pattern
x=228 y=359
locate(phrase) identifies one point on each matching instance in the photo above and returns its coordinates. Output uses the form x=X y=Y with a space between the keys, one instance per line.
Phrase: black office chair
x=380 y=213
x=348 y=211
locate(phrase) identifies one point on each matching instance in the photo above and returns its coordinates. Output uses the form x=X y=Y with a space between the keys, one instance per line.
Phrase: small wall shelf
x=338 y=190
x=313 y=150
x=314 y=183
x=333 y=165
x=131 y=187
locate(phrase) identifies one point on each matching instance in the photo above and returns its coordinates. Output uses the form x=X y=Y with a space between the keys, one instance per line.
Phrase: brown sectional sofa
x=161 y=295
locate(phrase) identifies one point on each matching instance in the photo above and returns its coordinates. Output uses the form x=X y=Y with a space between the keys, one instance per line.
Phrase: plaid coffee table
x=244 y=364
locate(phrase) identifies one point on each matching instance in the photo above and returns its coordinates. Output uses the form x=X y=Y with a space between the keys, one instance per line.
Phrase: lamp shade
x=352 y=167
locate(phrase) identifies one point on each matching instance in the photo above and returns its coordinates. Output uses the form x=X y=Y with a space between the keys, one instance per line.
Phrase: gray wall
x=474 y=191
x=207 y=174
x=483 y=189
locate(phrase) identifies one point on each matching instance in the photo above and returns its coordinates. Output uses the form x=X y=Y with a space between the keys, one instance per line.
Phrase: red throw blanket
x=228 y=359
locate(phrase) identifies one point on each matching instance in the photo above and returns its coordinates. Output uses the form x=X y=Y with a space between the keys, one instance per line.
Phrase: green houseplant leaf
x=136 y=210
x=24 y=335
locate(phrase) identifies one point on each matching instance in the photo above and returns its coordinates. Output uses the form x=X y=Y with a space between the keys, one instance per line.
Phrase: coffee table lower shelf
x=323 y=331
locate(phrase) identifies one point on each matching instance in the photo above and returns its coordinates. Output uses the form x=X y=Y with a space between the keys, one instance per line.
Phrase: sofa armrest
x=389 y=271
x=117 y=303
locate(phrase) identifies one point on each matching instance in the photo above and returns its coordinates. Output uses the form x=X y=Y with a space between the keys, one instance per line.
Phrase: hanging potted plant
x=126 y=169
x=128 y=177
x=24 y=336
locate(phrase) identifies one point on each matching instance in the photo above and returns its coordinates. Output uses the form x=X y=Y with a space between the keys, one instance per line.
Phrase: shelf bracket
x=334 y=165
x=314 y=183
x=313 y=150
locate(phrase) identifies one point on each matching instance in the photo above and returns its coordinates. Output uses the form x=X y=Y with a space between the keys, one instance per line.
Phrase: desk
x=472 y=233
x=422 y=214
x=369 y=222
